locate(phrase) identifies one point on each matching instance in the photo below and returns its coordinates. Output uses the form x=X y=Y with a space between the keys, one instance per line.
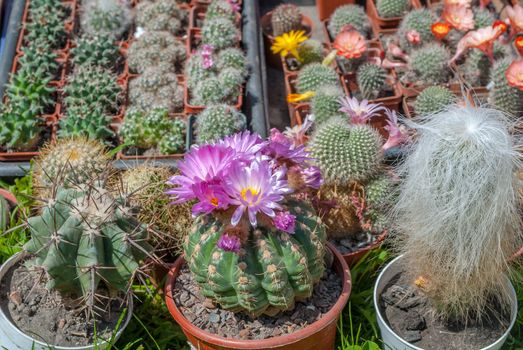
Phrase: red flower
x=350 y=44
x=440 y=30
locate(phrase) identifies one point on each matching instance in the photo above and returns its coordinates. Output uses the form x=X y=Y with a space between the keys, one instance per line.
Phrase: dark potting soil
x=209 y=317
x=354 y=243
x=48 y=316
x=413 y=317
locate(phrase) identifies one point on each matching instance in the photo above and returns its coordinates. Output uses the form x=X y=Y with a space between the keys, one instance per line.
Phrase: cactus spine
x=392 y=8
x=218 y=121
x=503 y=96
x=325 y=103
x=351 y=14
x=315 y=75
x=371 y=80
x=433 y=99
x=284 y=18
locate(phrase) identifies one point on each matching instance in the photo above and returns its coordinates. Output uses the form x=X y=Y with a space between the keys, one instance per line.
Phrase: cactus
x=218 y=121
x=86 y=121
x=392 y=8
x=325 y=103
x=346 y=153
x=156 y=49
x=38 y=55
x=95 y=50
x=148 y=129
x=55 y=5
x=503 y=96
x=351 y=14
x=284 y=18
x=93 y=87
x=419 y=20
x=195 y=71
x=161 y=15
x=232 y=58
x=107 y=18
x=270 y=272
x=220 y=33
x=156 y=89
x=371 y=80
x=310 y=51
x=433 y=99
x=315 y=75
x=208 y=92
x=378 y=200
x=70 y=161
x=83 y=236
x=477 y=66
x=482 y=17
x=232 y=79
x=46 y=24
x=430 y=64
x=220 y=9
x=146 y=186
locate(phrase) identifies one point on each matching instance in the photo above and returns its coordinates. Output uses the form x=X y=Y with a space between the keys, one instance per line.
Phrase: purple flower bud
x=312 y=177
x=285 y=221
x=229 y=243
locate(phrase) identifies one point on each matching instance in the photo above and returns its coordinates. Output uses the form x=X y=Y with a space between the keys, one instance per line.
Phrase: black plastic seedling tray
x=255 y=99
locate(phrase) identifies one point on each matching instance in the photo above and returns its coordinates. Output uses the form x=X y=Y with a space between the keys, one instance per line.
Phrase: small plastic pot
x=321 y=332
x=393 y=341
x=14 y=339
x=387 y=23
x=354 y=257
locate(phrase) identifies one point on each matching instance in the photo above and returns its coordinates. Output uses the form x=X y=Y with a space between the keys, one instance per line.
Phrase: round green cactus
x=378 y=200
x=208 y=92
x=315 y=75
x=156 y=49
x=83 y=236
x=392 y=8
x=232 y=79
x=95 y=50
x=271 y=271
x=109 y=18
x=433 y=99
x=195 y=71
x=220 y=33
x=346 y=153
x=218 y=121
x=220 y=9
x=284 y=18
x=69 y=161
x=325 y=103
x=232 y=57
x=503 y=96
x=419 y=20
x=430 y=64
x=173 y=142
x=371 y=80
x=161 y=15
x=310 y=51
x=476 y=68
x=350 y=14
x=156 y=88
x=86 y=121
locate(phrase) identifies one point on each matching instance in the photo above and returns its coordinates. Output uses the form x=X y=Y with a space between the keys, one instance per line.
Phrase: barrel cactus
x=267 y=251
x=433 y=99
x=351 y=14
x=284 y=18
x=392 y=8
x=371 y=80
x=218 y=121
x=503 y=96
x=315 y=75
x=83 y=236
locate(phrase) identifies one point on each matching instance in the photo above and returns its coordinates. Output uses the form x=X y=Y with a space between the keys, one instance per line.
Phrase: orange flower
x=482 y=39
x=440 y=30
x=459 y=17
x=518 y=43
x=501 y=25
x=350 y=44
x=514 y=74
x=295 y=98
x=515 y=16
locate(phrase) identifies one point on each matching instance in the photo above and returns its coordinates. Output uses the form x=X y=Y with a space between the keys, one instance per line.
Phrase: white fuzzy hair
x=457 y=217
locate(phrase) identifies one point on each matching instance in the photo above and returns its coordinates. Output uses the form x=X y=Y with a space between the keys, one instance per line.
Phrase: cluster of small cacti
x=392 y=8
x=161 y=15
x=218 y=121
x=284 y=18
x=153 y=129
x=349 y=15
x=155 y=88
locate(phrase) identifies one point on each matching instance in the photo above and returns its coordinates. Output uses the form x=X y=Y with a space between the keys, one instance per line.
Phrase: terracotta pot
x=387 y=23
x=322 y=331
x=268 y=38
x=326 y=7
x=353 y=258
x=288 y=70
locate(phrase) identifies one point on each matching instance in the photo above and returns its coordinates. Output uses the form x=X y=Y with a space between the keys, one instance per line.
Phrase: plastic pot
x=322 y=331
x=327 y=7
x=392 y=341
x=354 y=257
x=14 y=339
x=387 y=23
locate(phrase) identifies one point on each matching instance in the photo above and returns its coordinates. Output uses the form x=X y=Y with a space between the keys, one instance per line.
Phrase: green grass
x=152 y=327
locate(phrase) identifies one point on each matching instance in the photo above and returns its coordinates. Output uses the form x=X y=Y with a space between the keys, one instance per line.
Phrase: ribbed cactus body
x=351 y=14
x=218 y=121
x=371 y=80
x=84 y=237
x=273 y=269
x=325 y=104
x=346 y=153
x=430 y=64
x=95 y=50
x=315 y=75
x=503 y=96
x=433 y=99
x=284 y=18
x=419 y=20
x=5 y=214
x=392 y=8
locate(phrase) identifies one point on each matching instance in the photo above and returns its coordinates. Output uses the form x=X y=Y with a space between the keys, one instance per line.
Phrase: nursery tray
x=254 y=99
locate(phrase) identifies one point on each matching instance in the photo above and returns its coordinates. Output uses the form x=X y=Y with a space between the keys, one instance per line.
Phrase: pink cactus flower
x=397 y=135
x=515 y=16
x=482 y=39
x=350 y=44
x=359 y=112
x=413 y=37
x=285 y=221
x=229 y=243
x=514 y=74
x=465 y=3
x=459 y=17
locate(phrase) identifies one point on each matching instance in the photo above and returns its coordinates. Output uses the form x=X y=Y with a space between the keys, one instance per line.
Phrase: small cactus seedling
x=161 y=15
x=46 y=24
x=353 y=15
x=220 y=33
x=108 y=18
x=392 y=8
x=433 y=99
x=315 y=75
x=209 y=91
x=38 y=56
x=85 y=237
x=218 y=121
x=156 y=49
x=232 y=58
x=284 y=18
x=95 y=50
x=86 y=121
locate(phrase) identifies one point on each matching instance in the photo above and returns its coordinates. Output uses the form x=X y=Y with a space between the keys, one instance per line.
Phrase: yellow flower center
x=250 y=190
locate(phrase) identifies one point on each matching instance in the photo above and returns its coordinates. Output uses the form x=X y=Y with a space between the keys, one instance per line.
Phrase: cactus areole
x=256 y=245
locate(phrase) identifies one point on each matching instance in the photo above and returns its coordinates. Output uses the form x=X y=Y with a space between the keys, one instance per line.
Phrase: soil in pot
x=354 y=243
x=48 y=316
x=412 y=316
x=205 y=315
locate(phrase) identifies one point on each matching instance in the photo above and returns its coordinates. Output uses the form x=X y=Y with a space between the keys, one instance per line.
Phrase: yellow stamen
x=252 y=191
